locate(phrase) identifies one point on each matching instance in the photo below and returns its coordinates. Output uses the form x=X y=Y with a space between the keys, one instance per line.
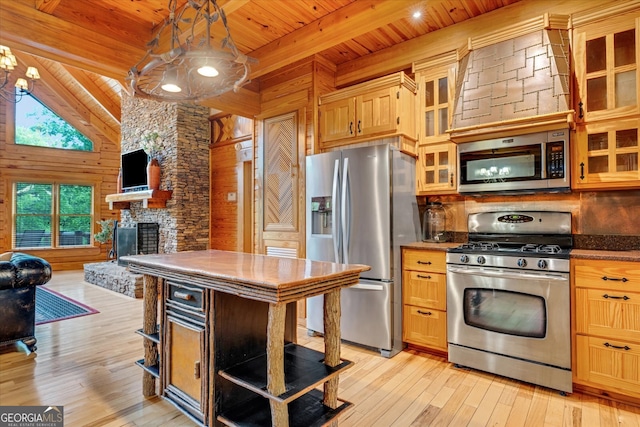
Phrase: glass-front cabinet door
x=606 y=66
x=606 y=53
x=607 y=154
x=436 y=167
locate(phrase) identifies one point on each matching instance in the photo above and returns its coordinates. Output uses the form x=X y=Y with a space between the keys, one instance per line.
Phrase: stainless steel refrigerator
x=361 y=207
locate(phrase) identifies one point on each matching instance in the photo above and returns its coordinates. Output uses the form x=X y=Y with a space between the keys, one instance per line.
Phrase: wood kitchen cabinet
x=607 y=326
x=606 y=57
x=436 y=167
x=424 y=288
x=375 y=109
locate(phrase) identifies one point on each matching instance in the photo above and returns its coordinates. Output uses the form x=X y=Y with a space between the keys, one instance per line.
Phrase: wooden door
x=186 y=360
x=281 y=225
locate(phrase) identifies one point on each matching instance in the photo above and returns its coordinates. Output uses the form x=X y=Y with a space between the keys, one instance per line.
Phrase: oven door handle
x=505 y=274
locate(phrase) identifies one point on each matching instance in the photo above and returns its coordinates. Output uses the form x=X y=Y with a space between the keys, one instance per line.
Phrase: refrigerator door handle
x=334 y=212
x=345 y=212
x=367 y=287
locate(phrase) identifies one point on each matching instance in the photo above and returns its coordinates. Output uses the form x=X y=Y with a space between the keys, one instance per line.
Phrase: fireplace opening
x=141 y=239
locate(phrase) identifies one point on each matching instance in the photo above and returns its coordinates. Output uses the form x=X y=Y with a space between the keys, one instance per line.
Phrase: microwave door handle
x=345 y=212
x=543 y=161
x=335 y=230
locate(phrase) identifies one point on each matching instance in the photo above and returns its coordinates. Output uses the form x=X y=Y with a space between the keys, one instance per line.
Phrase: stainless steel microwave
x=531 y=162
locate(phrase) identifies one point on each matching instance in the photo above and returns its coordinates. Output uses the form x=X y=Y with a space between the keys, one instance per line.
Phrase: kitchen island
x=223 y=343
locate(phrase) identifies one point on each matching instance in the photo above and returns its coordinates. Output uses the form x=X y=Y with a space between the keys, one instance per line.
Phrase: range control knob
x=522 y=262
x=464 y=258
x=481 y=260
x=542 y=264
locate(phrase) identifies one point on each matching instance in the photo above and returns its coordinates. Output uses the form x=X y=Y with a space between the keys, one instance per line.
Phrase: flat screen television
x=134 y=170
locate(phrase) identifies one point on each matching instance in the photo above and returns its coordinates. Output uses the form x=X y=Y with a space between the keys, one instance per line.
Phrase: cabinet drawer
x=185 y=295
x=612 y=275
x=425 y=327
x=425 y=289
x=608 y=363
x=415 y=259
x=608 y=313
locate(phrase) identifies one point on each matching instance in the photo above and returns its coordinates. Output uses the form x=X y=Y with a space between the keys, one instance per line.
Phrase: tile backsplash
x=593 y=213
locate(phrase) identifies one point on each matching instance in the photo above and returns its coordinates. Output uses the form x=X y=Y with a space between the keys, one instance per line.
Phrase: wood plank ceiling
x=84 y=49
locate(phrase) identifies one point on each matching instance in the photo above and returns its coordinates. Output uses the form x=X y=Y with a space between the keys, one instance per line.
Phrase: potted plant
x=105 y=235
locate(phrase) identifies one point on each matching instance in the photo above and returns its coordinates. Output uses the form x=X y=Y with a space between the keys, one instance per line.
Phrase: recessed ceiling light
x=417 y=14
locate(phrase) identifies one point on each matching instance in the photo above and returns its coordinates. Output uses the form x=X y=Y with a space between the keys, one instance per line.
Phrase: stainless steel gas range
x=508 y=297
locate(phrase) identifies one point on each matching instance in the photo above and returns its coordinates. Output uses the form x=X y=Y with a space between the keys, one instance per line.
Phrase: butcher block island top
x=237 y=313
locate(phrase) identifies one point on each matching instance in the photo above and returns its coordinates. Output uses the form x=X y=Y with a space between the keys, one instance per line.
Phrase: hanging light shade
x=191 y=69
x=22 y=87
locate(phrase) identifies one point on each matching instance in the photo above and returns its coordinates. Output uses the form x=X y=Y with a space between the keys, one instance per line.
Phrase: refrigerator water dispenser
x=321 y=215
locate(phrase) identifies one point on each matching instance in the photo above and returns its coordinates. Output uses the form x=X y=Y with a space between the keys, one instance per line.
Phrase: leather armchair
x=18 y=280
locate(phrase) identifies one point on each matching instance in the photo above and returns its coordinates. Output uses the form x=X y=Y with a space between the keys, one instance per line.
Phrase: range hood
x=514 y=81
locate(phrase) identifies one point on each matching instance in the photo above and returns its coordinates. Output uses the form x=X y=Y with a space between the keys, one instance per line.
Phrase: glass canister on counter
x=434 y=223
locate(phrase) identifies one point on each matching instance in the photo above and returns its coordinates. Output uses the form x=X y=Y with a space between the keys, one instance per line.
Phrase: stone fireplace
x=183 y=225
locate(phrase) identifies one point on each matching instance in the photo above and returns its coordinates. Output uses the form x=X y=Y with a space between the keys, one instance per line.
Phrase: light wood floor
x=87 y=365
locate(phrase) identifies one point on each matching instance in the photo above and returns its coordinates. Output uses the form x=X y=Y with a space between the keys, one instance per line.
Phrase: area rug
x=52 y=306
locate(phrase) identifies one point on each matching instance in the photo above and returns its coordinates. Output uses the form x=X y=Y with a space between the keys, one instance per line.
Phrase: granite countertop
x=606 y=255
x=431 y=245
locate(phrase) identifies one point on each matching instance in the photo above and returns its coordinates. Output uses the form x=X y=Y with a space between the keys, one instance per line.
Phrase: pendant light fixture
x=182 y=64
x=8 y=63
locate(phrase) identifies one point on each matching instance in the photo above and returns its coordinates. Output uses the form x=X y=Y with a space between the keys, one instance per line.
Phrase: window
x=37 y=125
x=52 y=215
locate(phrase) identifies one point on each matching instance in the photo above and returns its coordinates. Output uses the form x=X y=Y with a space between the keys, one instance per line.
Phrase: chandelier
x=190 y=68
x=7 y=63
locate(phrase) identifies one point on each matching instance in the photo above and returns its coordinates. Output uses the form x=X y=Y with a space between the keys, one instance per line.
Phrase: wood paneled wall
x=98 y=168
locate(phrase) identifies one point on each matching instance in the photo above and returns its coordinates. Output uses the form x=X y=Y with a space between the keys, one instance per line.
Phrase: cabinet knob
x=423 y=277
x=426 y=313
x=424 y=262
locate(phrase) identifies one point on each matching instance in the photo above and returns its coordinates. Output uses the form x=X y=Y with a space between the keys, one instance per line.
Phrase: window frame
x=55 y=214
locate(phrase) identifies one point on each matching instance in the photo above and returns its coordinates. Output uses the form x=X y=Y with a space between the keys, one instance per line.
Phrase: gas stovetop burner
x=546 y=249
x=480 y=246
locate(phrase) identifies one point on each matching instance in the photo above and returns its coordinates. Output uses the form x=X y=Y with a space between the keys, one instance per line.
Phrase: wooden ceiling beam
x=245 y=102
x=77 y=113
x=30 y=30
x=91 y=87
x=344 y=24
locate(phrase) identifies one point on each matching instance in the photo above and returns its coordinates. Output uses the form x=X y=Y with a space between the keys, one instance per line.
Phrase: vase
x=153 y=174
